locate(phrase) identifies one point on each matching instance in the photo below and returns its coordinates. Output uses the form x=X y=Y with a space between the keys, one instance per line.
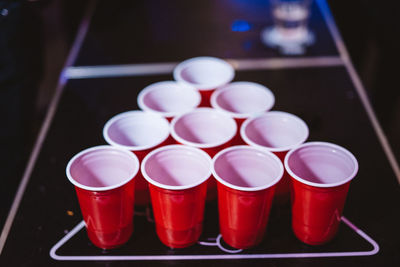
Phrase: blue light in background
x=240 y=26
x=247 y=45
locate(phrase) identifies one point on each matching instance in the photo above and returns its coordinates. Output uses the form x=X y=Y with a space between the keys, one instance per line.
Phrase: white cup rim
x=170 y=187
x=237 y=115
x=329 y=145
x=131 y=176
x=248 y=189
x=155 y=86
x=163 y=122
x=200 y=145
x=177 y=73
x=274 y=113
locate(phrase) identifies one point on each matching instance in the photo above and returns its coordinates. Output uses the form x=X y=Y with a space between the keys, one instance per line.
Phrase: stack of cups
x=278 y=132
x=178 y=179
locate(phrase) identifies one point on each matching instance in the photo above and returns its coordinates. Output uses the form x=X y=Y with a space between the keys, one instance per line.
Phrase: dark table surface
x=324 y=97
x=163 y=31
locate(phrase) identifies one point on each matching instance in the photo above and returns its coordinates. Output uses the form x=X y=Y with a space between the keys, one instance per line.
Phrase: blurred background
x=36 y=36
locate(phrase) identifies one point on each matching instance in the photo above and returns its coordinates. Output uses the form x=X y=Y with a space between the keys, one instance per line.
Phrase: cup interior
x=204 y=127
x=102 y=168
x=321 y=164
x=278 y=131
x=169 y=97
x=244 y=98
x=246 y=168
x=204 y=73
x=176 y=167
x=136 y=130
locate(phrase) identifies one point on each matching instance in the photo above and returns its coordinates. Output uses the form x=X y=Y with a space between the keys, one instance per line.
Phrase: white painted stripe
x=120 y=70
x=76 y=229
x=359 y=86
x=46 y=124
x=285 y=63
x=85 y=72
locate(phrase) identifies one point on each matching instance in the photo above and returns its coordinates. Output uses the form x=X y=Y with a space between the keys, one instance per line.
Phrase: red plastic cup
x=207 y=129
x=321 y=174
x=246 y=183
x=177 y=177
x=103 y=177
x=242 y=100
x=169 y=98
x=277 y=132
x=205 y=74
x=139 y=132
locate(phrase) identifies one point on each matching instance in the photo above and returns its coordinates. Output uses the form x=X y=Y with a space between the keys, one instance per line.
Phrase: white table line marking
x=144 y=69
x=81 y=225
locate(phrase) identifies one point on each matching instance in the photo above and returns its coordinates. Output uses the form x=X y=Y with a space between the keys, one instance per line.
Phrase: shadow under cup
x=321 y=174
x=104 y=182
x=177 y=178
